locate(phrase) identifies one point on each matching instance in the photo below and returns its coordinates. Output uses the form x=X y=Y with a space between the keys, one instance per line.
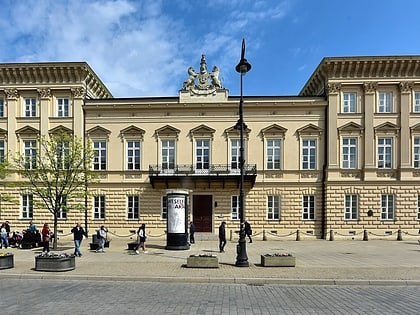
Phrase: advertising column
x=177 y=220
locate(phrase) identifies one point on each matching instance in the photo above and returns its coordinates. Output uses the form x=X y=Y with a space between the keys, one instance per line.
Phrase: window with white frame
x=351 y=207
x=416 y=152
x=273 y=154
x=387 y=207
x=234 y=213
x=133 y=207
x=385 y=152
x=273 y=207
x=309 y=154
x=30 y=107
x=349 y=153
x=99 y=207
x=385 y=102
x=168 y=154
x=235 y=154
x=417 y=102
x=63 y=151
x=1 y=107
x=164 y=208
x=30 y=153
x=308 y=205
x=202 y=154
x=418 y=207
x=99 y=155
x=2 y=151
x=63 y=107
x=62 y=213
x=349 y=102
x=27 y=206
x=133 y=155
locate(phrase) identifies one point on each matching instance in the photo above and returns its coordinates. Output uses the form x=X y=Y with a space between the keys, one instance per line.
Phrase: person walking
x=78 y=233
x=222 y=237
x=141 y=239
x=4 y=238
x=192 y=231
x=101 y=239
x=248 y=230
x=46 y=238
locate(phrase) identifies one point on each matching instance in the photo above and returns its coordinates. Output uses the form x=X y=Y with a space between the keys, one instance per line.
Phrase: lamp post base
x=242 y=257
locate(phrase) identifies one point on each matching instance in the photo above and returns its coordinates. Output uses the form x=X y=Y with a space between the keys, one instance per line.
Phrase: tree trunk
x=55 y=232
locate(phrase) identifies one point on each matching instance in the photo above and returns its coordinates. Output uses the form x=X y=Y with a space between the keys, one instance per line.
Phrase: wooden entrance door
x=202 y=212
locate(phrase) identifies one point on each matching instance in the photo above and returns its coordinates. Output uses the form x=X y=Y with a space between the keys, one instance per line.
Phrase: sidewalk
x=317 y=262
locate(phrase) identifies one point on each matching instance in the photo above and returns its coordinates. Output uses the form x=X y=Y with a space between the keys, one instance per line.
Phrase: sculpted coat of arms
x=205 y=80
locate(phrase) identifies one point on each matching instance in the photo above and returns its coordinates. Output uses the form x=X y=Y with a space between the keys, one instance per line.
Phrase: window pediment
x=273 y=130
x=27 y=130
x=310 y=130
x=413 y=129
x=167 y=132
x=98 y=131
x=234 y=132
x=60 y=129
x=350 y=128
x=131 y=132
x=387 y=128
x=202 y=131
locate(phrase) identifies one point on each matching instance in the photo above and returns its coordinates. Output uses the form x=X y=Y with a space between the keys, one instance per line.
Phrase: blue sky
x=143 y=48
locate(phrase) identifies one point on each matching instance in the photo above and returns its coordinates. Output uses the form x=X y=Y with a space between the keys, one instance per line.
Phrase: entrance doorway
x=202 y=212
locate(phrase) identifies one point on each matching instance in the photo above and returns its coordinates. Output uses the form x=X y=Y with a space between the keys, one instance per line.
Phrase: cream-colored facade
x=339 y=160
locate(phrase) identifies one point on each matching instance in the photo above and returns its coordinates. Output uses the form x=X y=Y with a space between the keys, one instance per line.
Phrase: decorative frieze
x=44 y=93
x=370 y=87
x=333 y=88
x=11 y=93
x=406 y=87
x=78 y=92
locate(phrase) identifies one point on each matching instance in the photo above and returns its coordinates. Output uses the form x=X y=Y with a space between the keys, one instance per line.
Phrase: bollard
x=297 y=235
x=365 y=235
x=264 y=236
x=399 y=236
x=331 y=235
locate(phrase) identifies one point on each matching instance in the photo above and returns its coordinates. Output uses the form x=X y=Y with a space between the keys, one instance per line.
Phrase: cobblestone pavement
x=45 y=296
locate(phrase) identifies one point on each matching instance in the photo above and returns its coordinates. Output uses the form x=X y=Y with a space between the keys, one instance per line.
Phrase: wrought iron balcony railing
x=209 y=170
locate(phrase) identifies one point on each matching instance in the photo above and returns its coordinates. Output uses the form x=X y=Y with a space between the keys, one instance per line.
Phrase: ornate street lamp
x=242 y=258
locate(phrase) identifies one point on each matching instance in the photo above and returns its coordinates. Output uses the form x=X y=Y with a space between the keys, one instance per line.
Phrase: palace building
x=337 y=161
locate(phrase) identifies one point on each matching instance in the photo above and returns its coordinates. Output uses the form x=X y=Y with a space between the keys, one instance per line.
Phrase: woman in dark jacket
x=78 y=234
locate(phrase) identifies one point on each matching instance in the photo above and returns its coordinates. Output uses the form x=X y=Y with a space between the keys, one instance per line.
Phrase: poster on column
x=176 y=214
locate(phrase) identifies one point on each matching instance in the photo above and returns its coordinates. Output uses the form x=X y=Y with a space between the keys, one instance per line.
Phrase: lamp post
x=242 y=258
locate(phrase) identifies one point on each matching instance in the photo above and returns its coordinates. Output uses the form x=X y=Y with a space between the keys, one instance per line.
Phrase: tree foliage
x=58 y=174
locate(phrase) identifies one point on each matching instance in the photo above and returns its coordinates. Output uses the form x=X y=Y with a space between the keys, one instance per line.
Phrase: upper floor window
x=1 y=107
x=308 y=205
x=273 y=154
x=387 y=207
x=351 y=205
x=417 y=102
x=235 y=154
x=309 y=154
x=133 y=155
x=27 y=206
x=273 y=207
x=385 y=102
x=349 y=153
x=99 y=151
x=202 y=154
x=349 y=102
x=234 y=212
x=133 y=207
x=168 y=154
x=30 y=107
x=99 y=207
x=416 y=152
x=63 y=107
x=385 y=152
x=2 y=151
x=63 y=151
x=30 y=153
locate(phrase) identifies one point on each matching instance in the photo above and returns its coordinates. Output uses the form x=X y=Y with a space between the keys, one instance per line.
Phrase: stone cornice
x=363 y=68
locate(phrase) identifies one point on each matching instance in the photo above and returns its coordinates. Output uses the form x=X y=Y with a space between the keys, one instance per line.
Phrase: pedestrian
x=141 y=239
x=78 y=233
x=46 y=238
x=192 y=231
x=7 y=226
x=248 y=230
x=4 y=239
x=32 y=227
x=101 y=234
x=222 y=236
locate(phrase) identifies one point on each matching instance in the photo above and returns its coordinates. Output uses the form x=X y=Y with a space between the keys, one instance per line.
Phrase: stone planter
x=278 y=261
x=55 y=263
x=202 y=261
x=7 y=261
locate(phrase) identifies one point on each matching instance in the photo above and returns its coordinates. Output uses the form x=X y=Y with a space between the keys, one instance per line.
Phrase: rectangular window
x=99 y=159
x=349 y=153
x=273 y=207
x=133 y=155
x=308 y=208
x=168 y=154
x=387 y=207
x=63 y=151
x=62 y=213
x=273 y=154
x=385 y=102
x=62 y=107
x=2 y=151
x=1 y=107
x=384 y=152
x=351 y=205
x=202 y=154
x=99 y=207
x=235 y=154
x=164 y=210
x=30 y=107
x=417 y=102
x=349 y=102
x=418 y=207
x=309 y=154
x=234 y=213
x=30 y=153
x=133 y=203
x=27 y=206
x=416 y=152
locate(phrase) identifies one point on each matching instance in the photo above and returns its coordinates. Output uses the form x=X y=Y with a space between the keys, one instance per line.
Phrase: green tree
x=58 y=174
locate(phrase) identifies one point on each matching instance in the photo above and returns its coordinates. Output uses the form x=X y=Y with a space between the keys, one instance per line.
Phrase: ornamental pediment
x=27 y=130
x=132 y=131
x=350 y=127
x=60 y=129
x=387 y=127
x=202 y=130
x=309 y=129
x=167 y=131
x=98 y=131
x=274 y=130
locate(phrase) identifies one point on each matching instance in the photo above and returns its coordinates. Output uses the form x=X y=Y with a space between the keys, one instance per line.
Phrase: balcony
x=188 y=176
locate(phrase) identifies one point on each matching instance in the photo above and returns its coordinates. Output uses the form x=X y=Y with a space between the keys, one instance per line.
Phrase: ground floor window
x=273 y=207
x=308 y=207
x=351 y=207
x=235 y=208
x=387 y=207
x=99 y=207
x=27 y=206
x=133 y=207
x=164 y=208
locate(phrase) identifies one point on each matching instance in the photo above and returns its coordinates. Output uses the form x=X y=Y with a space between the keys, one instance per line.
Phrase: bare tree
x=59 y=174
